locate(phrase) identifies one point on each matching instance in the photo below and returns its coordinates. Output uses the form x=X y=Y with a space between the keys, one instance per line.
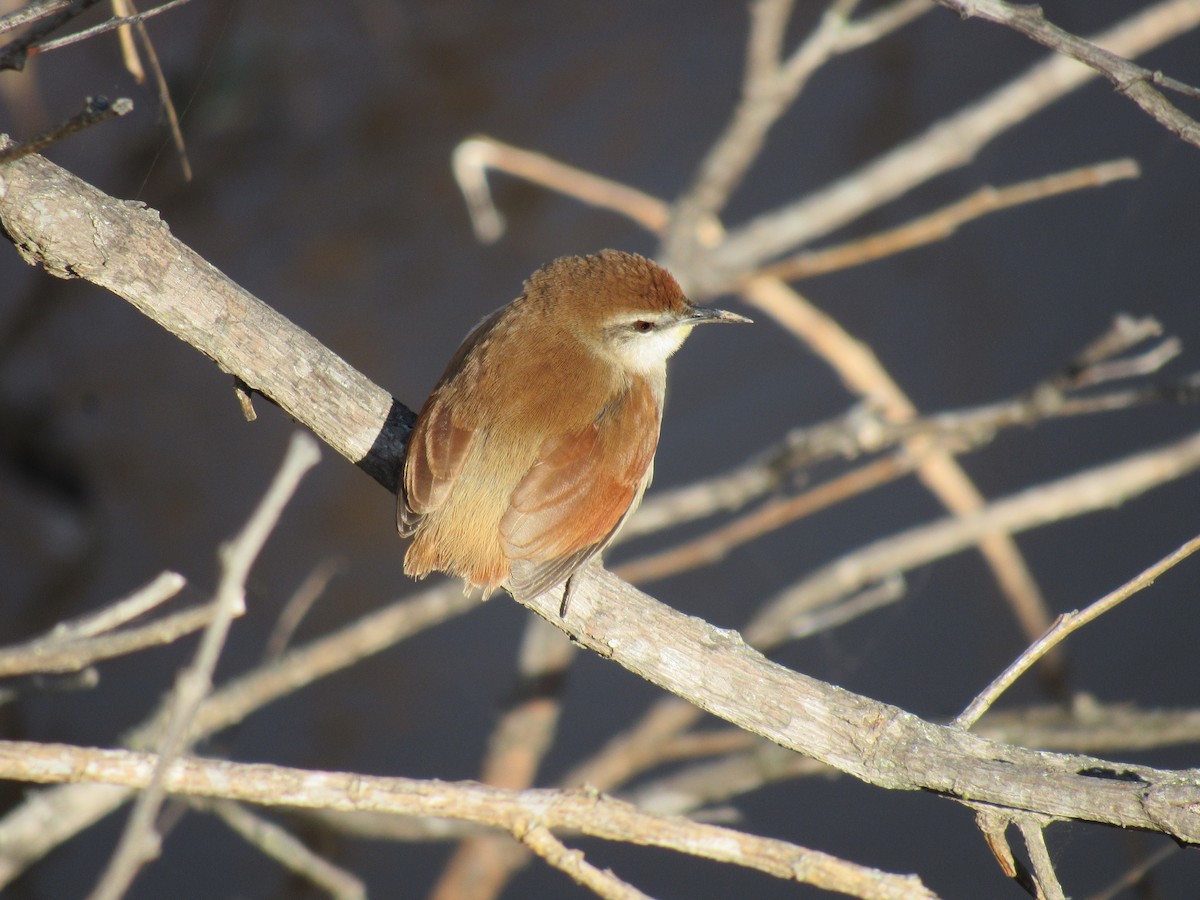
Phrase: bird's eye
x=641 y=326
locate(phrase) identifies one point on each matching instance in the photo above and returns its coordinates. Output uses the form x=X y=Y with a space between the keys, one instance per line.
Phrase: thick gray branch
x=74 y=230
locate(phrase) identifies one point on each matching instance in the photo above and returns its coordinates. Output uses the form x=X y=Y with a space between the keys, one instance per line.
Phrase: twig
x=1092 y=489
x=1090 y=727
x=769 y=87
x=1136 y=873
x=604 y=884
x=944 y=222
x=863 y=374
x=125 y=37
x=712 y=546
x=950 y=143
x=297 y=608
x=121 y=22
x=139 y=842
x=581 y=811
x=33 y=11
x=164 y=96
x=636 y=749
x=52 y=15
x=164 y=586
x=95 y=111
x=74 y=656
x=286 y=849
x=1065 y=625
x=45 y=820
x=518 y=743
x=474 y=156
x=1032 y=830
x=1128 y=78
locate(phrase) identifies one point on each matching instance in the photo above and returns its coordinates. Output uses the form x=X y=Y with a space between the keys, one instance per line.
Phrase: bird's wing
x=573 y=500
x=440 y=442
x=437 y=451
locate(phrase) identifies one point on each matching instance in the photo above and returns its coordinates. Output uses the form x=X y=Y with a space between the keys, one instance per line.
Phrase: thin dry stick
x=95 y=111
x=514 y=811
x=948 y=144
x=45 y=820
x=1136 y=873
x=139 y=843
x=603 y=883
x=286 y=849
x=297 y=608
x=33 y=11
x=125 y=37
x=714 y=545
x=157 y=592
x=944 y=222
x=51 y=15
x=1065 y=625
x=1129 y=79
x=525 y=733
x=1093 y=489
x=1091 y=727
x=74 y=656
x=164 y=95
x=1032 y=830
x=119 y=22
x=635 y=749
x=864 y=375
x=770 y=85
x=474 y=156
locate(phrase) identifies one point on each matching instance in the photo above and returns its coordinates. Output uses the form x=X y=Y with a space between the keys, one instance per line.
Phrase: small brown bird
x=539 y=439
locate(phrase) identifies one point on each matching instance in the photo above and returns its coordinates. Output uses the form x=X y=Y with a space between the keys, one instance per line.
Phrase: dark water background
x=321 y=136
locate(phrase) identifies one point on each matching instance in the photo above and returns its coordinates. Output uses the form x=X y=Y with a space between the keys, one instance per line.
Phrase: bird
x=538 y=441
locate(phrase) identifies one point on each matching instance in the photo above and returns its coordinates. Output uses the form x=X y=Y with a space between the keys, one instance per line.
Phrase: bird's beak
x=700 y=314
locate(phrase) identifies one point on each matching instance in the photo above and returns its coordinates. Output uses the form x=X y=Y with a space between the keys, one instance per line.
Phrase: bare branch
x=121 y=22
x=1092 y=489
x=286 y=849
x=604 y=884
x=140 y=842
x=95 y=111
x=474 y=156
x=514 y=811
x=1032 y=830
x=51 y=16
x=944 y=222
x=1129 y=79
x=948 y=144
x=1065 y=625
x=45 y=820
x=76 y=231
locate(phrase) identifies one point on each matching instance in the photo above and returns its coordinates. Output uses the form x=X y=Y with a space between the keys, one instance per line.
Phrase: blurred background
x=321 y=135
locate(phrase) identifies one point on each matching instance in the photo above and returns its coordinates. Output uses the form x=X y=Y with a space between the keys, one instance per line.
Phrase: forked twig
x=1128 y=78
x=139 y=841
x=1064 y=626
